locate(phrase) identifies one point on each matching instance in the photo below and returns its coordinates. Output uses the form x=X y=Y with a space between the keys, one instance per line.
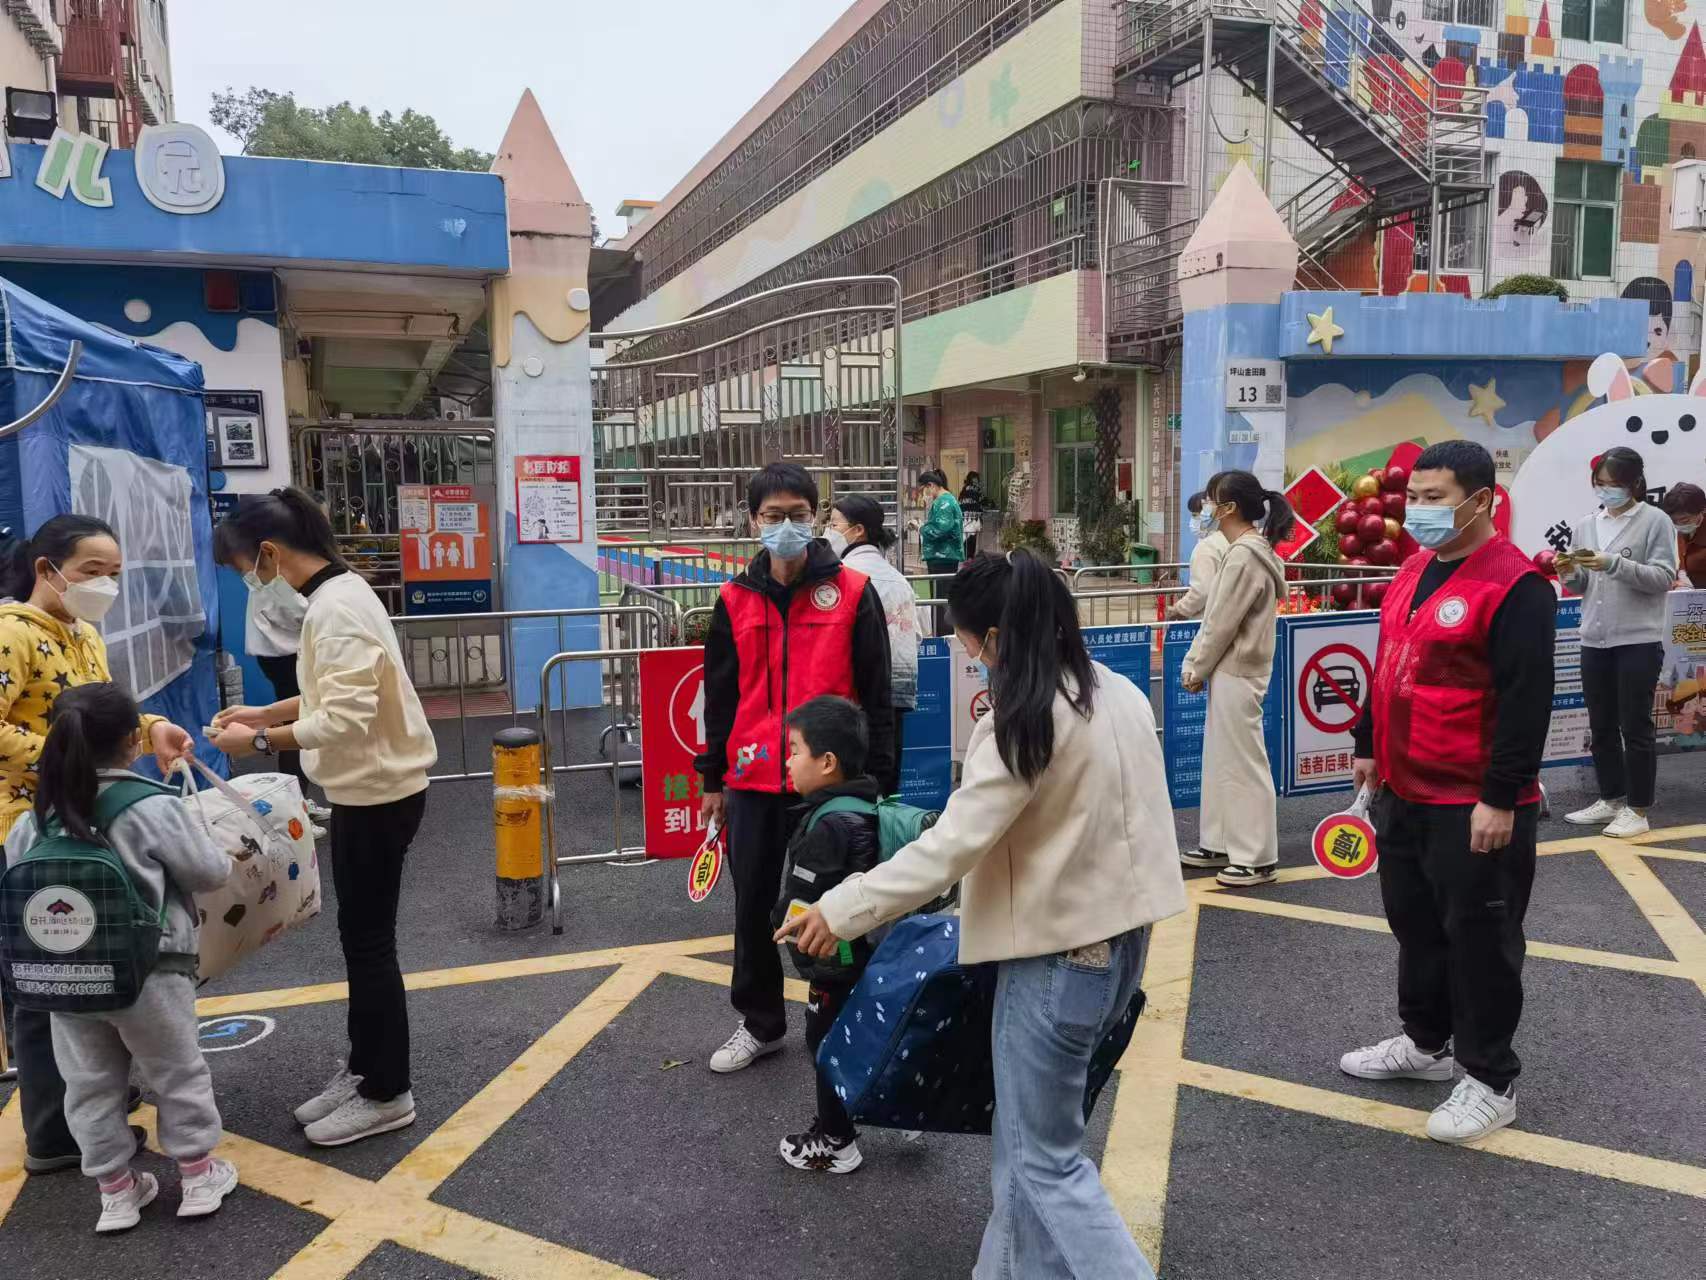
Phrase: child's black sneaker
x=817 y=1152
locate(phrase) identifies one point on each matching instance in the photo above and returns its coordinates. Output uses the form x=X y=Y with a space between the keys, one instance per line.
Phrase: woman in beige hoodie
x=1233 y=657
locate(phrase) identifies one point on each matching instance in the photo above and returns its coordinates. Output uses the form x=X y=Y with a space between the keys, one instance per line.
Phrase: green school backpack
x=76 y=936
x=898 y=823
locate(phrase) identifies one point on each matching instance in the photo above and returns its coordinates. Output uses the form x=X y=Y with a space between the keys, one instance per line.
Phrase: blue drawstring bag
x=911 y=1046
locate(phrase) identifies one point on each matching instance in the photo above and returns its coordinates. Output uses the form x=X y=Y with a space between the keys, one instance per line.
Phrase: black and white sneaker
x=817 y=1152
x=1246 y=877
x=1203 y=858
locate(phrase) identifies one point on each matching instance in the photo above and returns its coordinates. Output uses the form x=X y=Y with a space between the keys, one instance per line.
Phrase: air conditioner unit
x=452 y=411
x=1688 y=196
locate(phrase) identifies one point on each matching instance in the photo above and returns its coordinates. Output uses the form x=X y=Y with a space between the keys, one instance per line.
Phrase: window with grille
x=1600 y=20
x=1074 y=457
x=1584 y=239
x=995 y=436
x=1471 y=13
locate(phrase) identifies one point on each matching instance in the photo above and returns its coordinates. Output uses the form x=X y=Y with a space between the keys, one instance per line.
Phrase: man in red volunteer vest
x=1455 y=729
x=796 y=624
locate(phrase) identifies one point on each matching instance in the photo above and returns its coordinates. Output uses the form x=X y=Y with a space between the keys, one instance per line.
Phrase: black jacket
x=871 y=669
x=837 y=846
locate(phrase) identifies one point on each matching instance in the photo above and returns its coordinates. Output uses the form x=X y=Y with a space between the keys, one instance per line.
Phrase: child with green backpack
x=843 y=826
x=98 y=927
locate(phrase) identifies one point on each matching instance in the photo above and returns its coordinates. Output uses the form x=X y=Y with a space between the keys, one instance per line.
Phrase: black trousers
x=891 y=784
x=939 y=591
x=1618 y=684
x=281 y=674
x=822 y=1005
x=369 y=846
x=41 y=1089
x=1458 y=917
x=757 y=840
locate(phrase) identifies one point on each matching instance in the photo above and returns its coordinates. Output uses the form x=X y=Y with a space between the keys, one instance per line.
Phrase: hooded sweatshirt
x=40 y=657
x=1239 y=624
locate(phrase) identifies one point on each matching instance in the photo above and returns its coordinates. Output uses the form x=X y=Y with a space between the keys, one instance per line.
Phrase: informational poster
x=970 y=690
x=548 y=499
x=927 y=747
x=1184 y=719
x=447 y=549
x=1680 y=700
x=1329 y=664
x=1567 y=735
x=1127 y=650
x=672 y=713
x=1255 y=386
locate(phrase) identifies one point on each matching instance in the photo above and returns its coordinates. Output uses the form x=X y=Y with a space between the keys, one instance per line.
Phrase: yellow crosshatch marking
x=361 y=1214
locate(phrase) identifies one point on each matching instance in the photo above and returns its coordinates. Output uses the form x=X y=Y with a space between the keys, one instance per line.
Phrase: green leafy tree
x=273 y=124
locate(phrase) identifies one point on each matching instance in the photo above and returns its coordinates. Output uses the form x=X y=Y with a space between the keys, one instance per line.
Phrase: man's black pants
x=369 y=845
x=1458 y=917
x=757 y=840
x=1617 y=685
x=41 y=1089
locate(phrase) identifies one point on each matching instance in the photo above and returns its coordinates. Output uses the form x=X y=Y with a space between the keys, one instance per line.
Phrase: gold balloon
x=1394 y=530
x=1365 y=487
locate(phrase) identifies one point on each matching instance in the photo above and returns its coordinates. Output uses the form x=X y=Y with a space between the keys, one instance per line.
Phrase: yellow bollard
x=517 y=795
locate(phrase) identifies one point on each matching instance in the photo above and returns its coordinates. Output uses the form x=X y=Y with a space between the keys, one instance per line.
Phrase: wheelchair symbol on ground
x=1332 y=687
x=224 y=1034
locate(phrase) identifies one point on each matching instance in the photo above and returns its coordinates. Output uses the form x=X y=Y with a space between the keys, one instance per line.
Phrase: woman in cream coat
x=1063 y=835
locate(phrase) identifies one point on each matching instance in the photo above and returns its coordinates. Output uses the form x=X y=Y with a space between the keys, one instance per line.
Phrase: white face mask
x=837 y=541
x=89 y=601
x=273 y=591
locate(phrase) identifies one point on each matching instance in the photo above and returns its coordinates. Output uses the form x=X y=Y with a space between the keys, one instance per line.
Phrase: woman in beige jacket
x=1233 y=657
x=1062 y=832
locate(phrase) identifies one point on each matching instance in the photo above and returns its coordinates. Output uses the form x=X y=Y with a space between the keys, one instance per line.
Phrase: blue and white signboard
x=1184 y=716
x=927 y=751
x=1328 y=660
x=1127 y=650
x=1567 y=735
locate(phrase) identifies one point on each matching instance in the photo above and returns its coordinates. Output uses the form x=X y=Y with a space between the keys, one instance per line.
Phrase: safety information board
x=1184 y=716
x=927 y=748
x=1127 y=650
x=1329 y=664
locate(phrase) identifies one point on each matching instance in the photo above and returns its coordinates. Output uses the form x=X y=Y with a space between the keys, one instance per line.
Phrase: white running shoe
x=122 y=1210
x=360 y=1118
x=741 y=1050
x=339 y=1090
x=204 y=1194
x=321 y=814
x=1627 y=825
x=1596 y=814
x=1471 y=1113
x=1398 y=1059
x=817 y=1152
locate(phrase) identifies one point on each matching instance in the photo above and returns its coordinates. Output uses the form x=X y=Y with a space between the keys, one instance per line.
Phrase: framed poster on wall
x=236 y=430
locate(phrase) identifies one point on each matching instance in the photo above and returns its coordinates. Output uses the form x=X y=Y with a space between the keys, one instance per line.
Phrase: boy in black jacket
x=835 y=835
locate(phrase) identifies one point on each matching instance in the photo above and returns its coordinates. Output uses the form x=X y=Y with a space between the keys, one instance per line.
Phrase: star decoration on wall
x=1323 y=330
x=1485 y=402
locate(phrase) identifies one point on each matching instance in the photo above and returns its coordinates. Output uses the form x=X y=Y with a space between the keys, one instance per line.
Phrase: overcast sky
x=635 y=93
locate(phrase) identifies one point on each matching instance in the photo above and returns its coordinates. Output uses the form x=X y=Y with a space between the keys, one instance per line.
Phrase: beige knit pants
x=1238 y=813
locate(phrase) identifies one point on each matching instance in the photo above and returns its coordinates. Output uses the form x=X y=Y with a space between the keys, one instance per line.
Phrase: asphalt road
x=602 y=1135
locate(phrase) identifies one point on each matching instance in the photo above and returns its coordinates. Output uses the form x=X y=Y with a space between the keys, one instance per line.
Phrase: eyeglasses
x=773 y=518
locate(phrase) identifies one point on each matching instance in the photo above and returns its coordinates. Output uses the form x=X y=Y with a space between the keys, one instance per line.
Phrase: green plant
x=1528 y=285
x=1032 y=536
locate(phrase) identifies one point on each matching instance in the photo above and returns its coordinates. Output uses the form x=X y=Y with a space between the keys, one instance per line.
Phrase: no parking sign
x=1329 y=664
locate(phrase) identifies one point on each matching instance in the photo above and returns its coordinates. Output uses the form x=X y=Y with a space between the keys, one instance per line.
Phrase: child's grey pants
x=95 y=1050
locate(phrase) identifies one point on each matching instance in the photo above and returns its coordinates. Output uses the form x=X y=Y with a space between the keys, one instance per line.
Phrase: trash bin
x=1143 y=554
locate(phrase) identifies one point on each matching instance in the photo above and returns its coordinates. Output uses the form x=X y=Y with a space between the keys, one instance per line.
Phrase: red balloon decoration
x=1372 y=506
x=1348 y=518
x=1397 y=479
x=1372 y=528
x=1379 y=474
x=1384 y=552
x=1546 y=561
x=1350 y=544
x=1375 y=594
x=1393 y=505
x=1345 y=595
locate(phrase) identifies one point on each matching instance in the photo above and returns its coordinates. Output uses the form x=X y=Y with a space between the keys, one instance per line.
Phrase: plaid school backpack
x=76 y=936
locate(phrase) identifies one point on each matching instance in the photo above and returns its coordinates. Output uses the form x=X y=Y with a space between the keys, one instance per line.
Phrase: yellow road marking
x=1139 y=1152
x=1672 y=855
x=719 y=974
x=1675 y=927
x=1517 y=1144
x=1656 y=836
x=12 y=1173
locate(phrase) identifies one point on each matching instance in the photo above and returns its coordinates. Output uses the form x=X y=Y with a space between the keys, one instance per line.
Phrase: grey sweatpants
x=159 y=1033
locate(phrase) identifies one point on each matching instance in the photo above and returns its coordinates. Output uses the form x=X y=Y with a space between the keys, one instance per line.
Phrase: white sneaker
x=1596 y=814
x=741 y=1050
x=360 y=1118
x=203 y=1195
x=317 y=811
x=1471 y=1113
x=1627 y=825
x=122 y=1210
x=817 y=1152
x=339 y=1090
x=320 y=833
x=1398 y=1059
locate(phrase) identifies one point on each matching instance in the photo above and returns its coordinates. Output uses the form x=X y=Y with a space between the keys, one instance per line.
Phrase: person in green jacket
x=941 y=539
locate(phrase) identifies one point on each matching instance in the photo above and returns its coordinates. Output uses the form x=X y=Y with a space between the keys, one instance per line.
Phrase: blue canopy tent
x=125 y=442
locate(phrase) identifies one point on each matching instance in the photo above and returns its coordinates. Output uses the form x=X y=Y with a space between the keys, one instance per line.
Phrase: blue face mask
x=788 y=540
x=1433 y=527
x=1204 y=523
x=1610 y=495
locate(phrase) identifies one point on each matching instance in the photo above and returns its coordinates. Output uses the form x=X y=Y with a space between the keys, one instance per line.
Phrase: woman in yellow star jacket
x=55 y=587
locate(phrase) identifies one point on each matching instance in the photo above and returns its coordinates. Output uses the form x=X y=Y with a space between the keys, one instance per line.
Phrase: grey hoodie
x=167 y=853
x=1240 y=623
x=1624 y=603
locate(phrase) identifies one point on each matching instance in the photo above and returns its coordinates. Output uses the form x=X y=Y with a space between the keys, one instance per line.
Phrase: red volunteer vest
x=1433 y=698
x=783 y=663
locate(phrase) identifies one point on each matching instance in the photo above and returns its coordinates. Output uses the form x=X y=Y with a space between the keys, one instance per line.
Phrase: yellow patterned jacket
x=39 y=657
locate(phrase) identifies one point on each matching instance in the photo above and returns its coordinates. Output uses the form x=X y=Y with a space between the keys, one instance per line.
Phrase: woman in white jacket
x=1233 y=657
x=1063 y=836
x=856 y=533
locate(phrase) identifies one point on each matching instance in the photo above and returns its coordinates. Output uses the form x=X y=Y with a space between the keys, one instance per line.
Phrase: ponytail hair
x=864 y=511
x=1267 y=509
x=286 y=516
x=88 y=730
x=1039 y=653
x=56 y=540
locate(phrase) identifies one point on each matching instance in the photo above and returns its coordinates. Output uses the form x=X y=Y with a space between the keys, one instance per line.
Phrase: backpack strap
x=841 y=804
x=121 y=795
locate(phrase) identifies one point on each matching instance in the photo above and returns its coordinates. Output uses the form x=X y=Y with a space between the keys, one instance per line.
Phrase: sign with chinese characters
x=927 y=748
x=1184 y=717
x=1255 y=386
x=236 y=429
x=970 y=695
x=1567 y=734
x=178 y=168
x=1681 y=694
x=548 y=499
x=672 y=709
x=447 y=549
x=1329 y=664
x=1127 y=650
x=1344 y=845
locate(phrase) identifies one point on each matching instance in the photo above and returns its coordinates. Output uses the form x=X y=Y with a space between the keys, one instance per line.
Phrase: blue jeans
x=1052 y=1219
